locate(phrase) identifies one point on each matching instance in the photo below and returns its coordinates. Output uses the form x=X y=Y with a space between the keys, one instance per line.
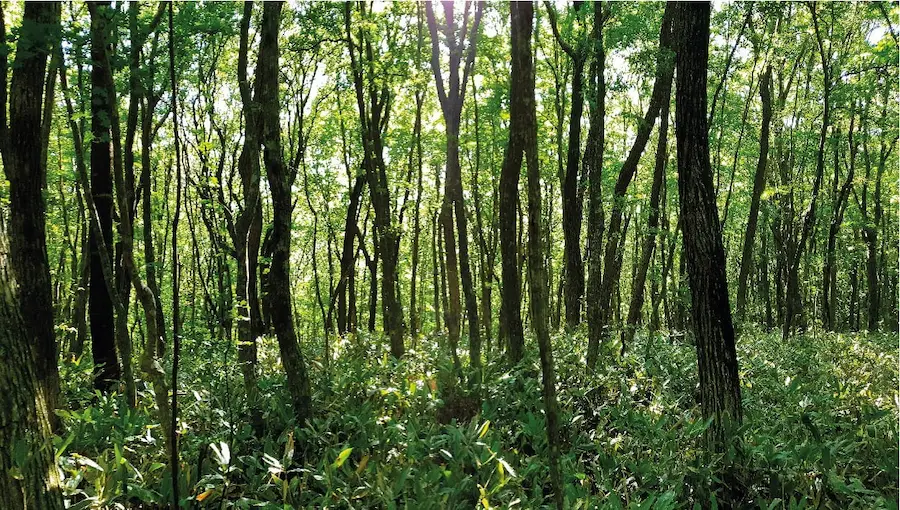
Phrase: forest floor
x=820 y=431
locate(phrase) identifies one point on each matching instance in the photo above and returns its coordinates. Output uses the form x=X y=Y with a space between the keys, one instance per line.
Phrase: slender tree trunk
x=280 y=181
x=451 y=96
x=593 y=168
x=759 y=184
x=793 y=300
x=661 y=91
x=521 y=14
x=572 y=205
x=248 y=230
x=649 y=243
x=174 y=463
x=720 y=392
x=372 y=117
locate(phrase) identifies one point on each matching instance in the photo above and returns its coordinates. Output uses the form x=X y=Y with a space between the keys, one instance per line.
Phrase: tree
x=593 y=167
x=572 y=203
x=103 y=344
x=524 y=139
x=23 y=148
x=32 y=481
x=720 y=391
x=280 y=179
x=451 y=96
x=612 y=258
x=373 y=119
x=759 y=184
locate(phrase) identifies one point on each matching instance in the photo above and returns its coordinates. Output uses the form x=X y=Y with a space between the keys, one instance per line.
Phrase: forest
x=457 y=254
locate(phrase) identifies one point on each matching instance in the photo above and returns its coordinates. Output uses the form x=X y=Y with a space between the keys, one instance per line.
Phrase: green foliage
x=820 y=431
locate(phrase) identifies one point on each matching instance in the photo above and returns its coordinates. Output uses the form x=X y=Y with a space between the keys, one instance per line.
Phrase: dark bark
x=26 y=416
x=248 y=230
x=174 y=463
x=103 y=342
x=720 y=392
x=593 y=169
x=348 y=254
x=373 y=117
x=759 y=184
x=840 y=195
x=451 y=96
x=511 y=332
x=280 y=179
x=793 y=300
x=24 y=148
x=649 y=242
x=572 y=203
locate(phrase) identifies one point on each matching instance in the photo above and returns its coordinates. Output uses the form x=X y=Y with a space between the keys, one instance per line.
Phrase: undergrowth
x=820 y=431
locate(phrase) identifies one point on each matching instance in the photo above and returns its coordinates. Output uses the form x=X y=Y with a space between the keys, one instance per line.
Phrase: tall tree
x=523 y=78
x=373 y=116
x=511 y=331
x=572 y=204
x=103 y=343
x=612 y=258
x=280 y=180
x=593 y=168
x=759 y=184
x=23 y=147
x=248 y=229
x=720 y=391
x=649 y=243
x=461 y=41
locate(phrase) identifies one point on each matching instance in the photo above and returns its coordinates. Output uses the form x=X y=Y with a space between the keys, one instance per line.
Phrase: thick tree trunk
x=24 y=149
x=103 y=342
x=720 y=392
x=759 y=184
x=25 y=417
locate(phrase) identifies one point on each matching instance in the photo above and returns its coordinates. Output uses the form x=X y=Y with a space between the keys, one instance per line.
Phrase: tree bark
x=372 y=120
x=248 y=230
x=103 y=343
x=649 y=243
x=280 y=180
x=593 y=168
x=25 y=418
x=720 y=392
x=521 y=14
x=611 y=270
x=451 y=96
x=511 y=331
x=759 y=184
x=572 y=204
x=24 y=149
